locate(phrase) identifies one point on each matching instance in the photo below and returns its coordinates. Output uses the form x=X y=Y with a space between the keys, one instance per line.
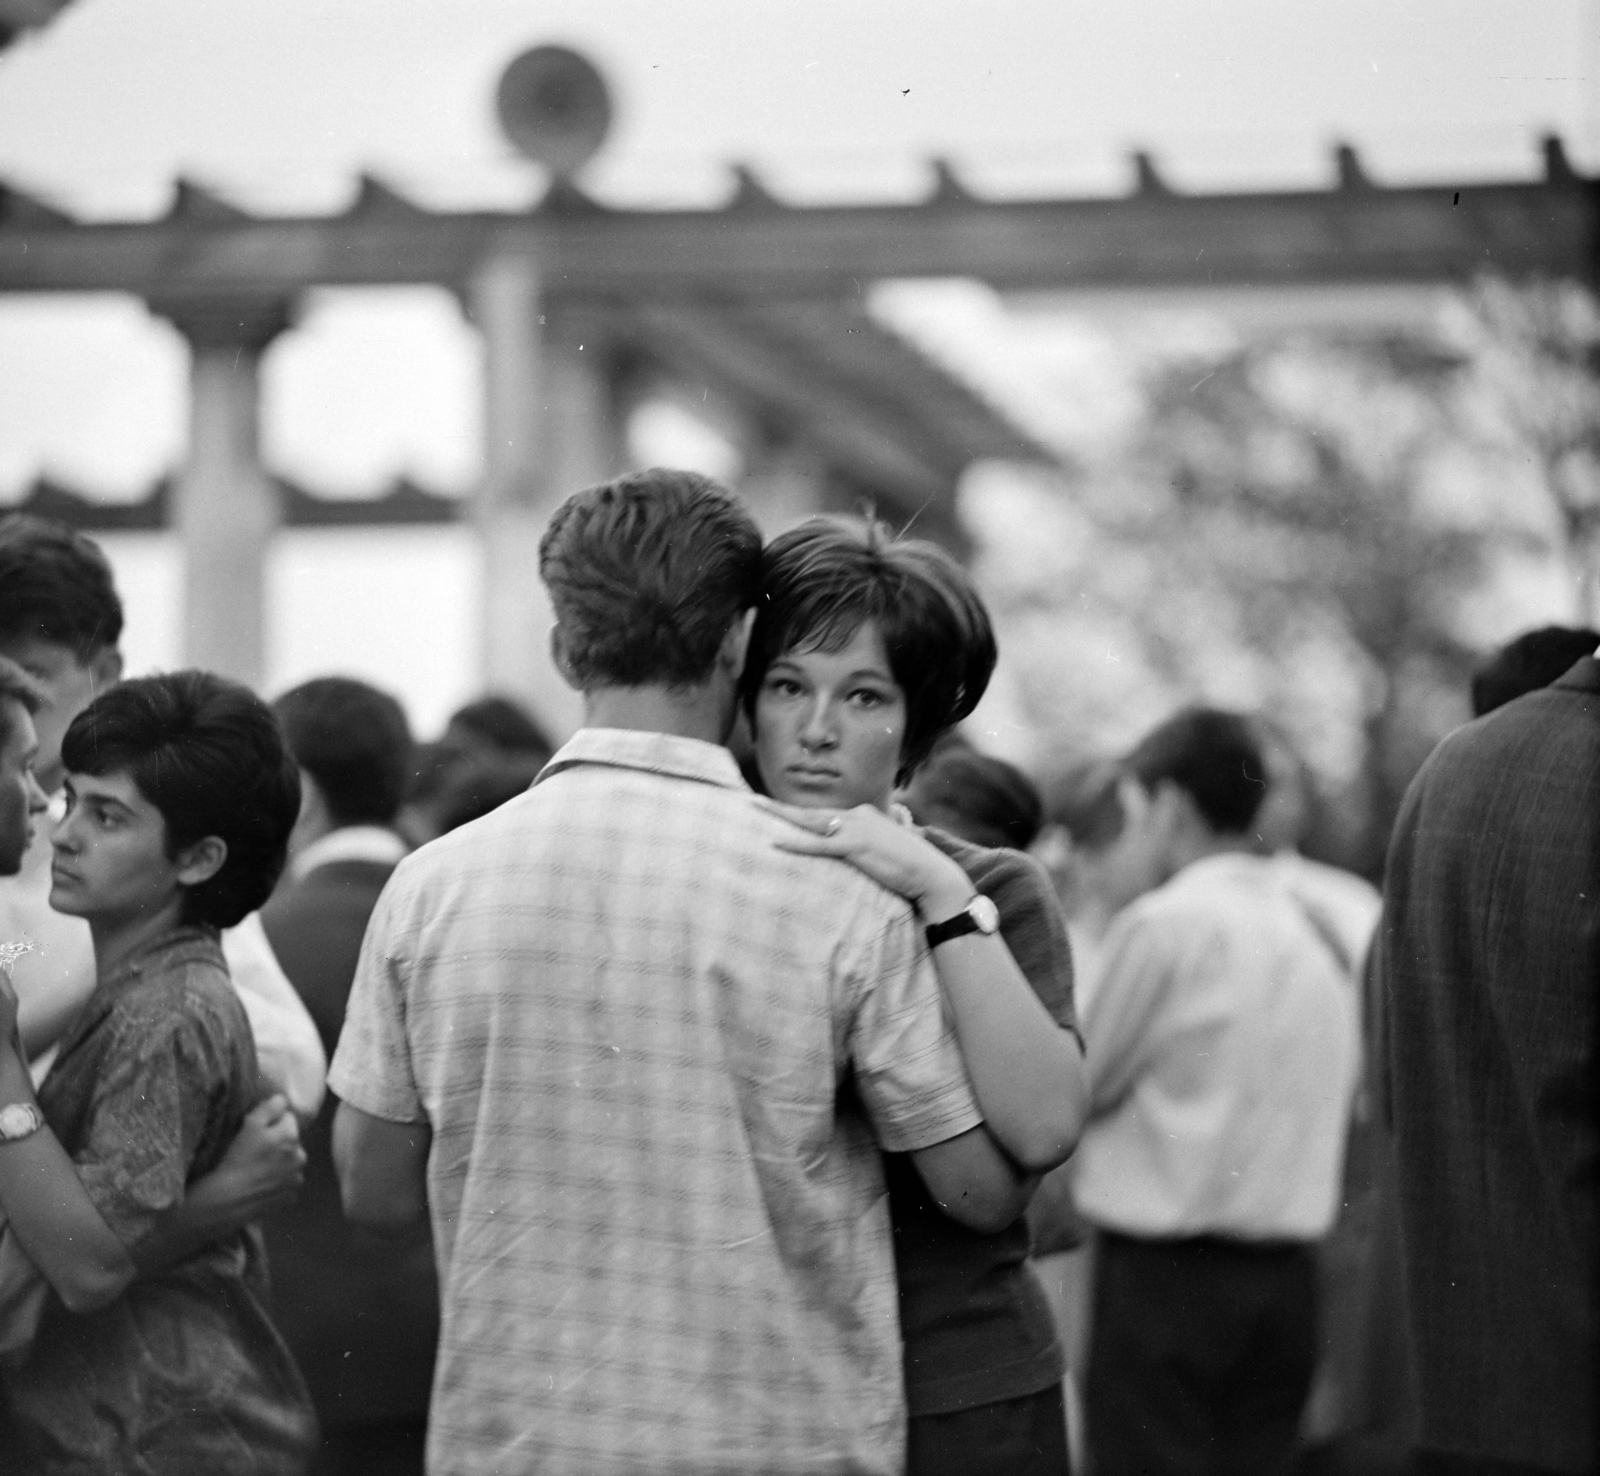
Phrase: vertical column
x=550 y=428
x=225 y=506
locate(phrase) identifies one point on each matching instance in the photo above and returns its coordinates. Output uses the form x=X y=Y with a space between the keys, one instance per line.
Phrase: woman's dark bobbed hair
x=209 y=754
x=822 y=581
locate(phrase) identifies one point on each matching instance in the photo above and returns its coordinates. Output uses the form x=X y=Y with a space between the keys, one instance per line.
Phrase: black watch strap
x=978 y=916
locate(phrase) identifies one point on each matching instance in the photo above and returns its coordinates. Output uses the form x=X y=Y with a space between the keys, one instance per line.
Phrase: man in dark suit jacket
x=360 y=1315
x=1490 y=967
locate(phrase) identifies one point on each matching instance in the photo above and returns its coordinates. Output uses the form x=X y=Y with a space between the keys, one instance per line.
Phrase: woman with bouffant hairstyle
x=866 y=651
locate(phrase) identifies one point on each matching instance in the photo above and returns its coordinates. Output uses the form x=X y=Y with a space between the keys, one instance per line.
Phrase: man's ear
x=106 y=668
x=201 y=861
x=314 y=820
x=561 y=655
x=1133 y=798
x=1184 y=825
x=735 y=648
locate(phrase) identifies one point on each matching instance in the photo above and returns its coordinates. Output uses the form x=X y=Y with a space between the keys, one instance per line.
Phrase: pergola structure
x=759 y=304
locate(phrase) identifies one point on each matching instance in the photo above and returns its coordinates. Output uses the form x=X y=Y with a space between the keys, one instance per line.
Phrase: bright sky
x=280 y=105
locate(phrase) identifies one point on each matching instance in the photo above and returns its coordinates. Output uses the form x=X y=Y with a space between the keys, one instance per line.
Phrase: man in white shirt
x=1223 y=1048
x=60 y=620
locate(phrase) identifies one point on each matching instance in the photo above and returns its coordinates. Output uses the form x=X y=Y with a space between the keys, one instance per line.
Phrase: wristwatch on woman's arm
x=980 y=915
x=19 y=1120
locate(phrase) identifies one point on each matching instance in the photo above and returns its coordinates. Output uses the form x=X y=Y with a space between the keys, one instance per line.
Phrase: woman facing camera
x=866 y=651
x=181 y=796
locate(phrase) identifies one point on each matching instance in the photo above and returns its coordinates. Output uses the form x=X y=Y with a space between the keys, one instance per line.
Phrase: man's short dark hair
x=17 y=689
x=56 y=585
x=1528 y=663
x=1213 y=756
x=647 y=574
x=500 y=723
x=476 y=788
x=354 y=741
x=1082 y=797
x=210 y=756
x=826 y=578
x=976 y=796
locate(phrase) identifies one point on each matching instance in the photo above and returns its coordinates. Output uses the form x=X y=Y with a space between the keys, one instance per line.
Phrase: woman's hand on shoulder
x=895 y=856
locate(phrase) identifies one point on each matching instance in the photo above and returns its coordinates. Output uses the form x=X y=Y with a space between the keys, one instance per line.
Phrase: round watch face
x=18 y=1119
x=985 y=914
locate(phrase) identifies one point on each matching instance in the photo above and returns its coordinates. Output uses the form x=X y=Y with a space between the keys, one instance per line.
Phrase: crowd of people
x=766 y=1080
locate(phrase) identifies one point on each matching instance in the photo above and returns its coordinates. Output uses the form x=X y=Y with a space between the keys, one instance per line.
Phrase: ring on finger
x=833 y=825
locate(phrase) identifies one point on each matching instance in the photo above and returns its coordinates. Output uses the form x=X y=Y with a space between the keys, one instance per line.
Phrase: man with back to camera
x=1222 y=1040
x=1532 y=660
x=360 y=1317
x=1487 y=967
x=600 y=1034
x=60 y=620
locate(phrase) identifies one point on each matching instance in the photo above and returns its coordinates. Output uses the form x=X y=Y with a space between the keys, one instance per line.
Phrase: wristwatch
x=980 y=915
x=19 y=1120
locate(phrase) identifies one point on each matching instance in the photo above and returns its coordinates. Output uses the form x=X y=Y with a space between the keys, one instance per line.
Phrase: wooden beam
x=1151 y=239
x=726 y=354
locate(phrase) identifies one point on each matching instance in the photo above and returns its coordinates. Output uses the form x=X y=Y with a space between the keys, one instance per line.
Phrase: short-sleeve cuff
x=128 y=1213
x=366 y=1096
x=947 y=1116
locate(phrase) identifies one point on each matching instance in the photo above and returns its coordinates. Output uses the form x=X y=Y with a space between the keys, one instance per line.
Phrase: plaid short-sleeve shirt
x=627 y=1016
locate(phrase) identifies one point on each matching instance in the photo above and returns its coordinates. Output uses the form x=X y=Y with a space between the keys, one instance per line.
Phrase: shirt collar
x=349 y=843
x=1583 y=675
x=655 y=753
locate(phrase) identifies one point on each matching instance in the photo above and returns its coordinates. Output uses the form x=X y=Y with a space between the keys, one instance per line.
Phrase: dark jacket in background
x=359 y=1313
x=1490 y=967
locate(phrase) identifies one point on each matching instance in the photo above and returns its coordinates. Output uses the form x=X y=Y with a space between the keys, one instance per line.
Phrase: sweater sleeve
x=1030 y=919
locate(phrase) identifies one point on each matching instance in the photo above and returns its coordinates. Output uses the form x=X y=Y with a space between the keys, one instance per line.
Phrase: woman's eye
x=783 y=686
x=866 y=697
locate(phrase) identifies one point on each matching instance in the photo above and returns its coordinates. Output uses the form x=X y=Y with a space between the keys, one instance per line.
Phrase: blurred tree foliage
x=1333 y=533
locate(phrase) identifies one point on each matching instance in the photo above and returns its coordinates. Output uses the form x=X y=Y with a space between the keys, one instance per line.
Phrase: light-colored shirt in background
x=58 y=976
x=1222 y=1041
x=664 y=1243
x=375 y=843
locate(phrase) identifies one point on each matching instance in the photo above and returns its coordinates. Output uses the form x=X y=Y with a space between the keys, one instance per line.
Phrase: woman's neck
x=117 y=939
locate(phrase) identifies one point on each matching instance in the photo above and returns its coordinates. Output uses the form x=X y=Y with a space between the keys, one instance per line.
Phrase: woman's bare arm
x=1028 y=1074
x=42 y=1198
x=262 y=1170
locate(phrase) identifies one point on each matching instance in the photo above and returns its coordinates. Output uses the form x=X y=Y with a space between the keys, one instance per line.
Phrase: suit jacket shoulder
x=315 y=925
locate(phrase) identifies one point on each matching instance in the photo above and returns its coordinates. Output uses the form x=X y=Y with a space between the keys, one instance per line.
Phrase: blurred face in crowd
x=1138 y=859
x=22 y=801
x=829 y=725
x=1281 y=821
x=69 y=686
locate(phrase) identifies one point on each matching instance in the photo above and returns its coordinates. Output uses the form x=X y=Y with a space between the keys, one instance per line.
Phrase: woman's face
x=829 y=725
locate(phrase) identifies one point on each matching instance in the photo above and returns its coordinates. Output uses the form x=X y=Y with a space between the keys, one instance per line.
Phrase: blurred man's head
x=479 y=786
x=1085 y=822
x=1191 y=787
x=1528 y=663
x=60 y=620
x=21 y=798
x=353 y=746
x=1285 y=814
x=493 y=729
x=975 y=796
x=652 y=577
